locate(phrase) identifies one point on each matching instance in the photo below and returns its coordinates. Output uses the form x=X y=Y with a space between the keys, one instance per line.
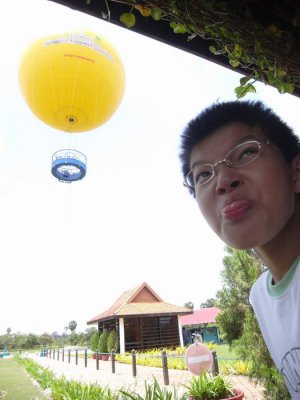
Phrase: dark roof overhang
x=281 y=13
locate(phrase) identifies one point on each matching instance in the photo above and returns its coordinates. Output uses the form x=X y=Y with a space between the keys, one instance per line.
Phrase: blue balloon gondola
x=68 y=165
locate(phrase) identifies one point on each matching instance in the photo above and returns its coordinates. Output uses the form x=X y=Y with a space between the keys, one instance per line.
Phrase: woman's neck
x=280 y=253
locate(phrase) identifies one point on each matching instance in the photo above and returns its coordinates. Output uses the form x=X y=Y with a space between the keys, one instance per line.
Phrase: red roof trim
x=202 y=316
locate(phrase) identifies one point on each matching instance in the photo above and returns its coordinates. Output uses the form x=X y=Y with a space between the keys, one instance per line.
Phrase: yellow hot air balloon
x=73 y=81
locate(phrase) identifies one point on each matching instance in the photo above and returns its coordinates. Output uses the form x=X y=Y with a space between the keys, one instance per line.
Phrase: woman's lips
x=236 y=209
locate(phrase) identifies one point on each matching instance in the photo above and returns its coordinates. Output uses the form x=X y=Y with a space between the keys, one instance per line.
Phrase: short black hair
x=250 y=113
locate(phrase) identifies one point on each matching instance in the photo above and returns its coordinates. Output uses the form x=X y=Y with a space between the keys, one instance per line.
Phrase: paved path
x=123 y=378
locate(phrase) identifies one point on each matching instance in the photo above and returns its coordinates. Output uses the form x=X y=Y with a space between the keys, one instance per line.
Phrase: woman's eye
x=202 y=175
x=249 y=152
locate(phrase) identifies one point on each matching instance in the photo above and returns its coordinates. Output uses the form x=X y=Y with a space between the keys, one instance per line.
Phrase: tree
x=89 y=332
x=251 y=347
x=31 y=341
x=189 y=304
x=8 y=339
x=102 y=345
x=19 y=341
x=112 y=341
x=209 y=303
x=74 y=338
x=241 y=269
x=3 y=341
x=45 y=339
x=238 y=324
x=94 y=341
x=55 y=335
x=72 y=326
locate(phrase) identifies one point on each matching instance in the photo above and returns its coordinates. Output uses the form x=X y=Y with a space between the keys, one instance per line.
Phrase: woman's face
x=249 y=206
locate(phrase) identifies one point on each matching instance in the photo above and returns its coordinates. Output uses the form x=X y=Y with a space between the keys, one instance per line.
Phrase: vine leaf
x=244 y=80
x=145 y=11
x=215 y=51
x=284 y=87
x=156 y=13
x=128 y=19
x=234 y=63
x=178 y=27
x=241 y=91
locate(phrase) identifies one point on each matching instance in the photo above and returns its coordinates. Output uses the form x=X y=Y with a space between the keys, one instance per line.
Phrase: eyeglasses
x=240 y=155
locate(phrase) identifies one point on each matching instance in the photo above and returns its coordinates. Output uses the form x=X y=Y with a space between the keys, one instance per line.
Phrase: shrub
x=63 y=389
x=112 y=341
x=208 y=387
x=211 y=345
x=102 y=345
x=251 y=347
x=235 y=368
x=43 y=376
x=95 y=341
x=153 y=392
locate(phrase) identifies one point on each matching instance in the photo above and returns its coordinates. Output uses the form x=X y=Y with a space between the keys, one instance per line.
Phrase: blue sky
x=69 y=251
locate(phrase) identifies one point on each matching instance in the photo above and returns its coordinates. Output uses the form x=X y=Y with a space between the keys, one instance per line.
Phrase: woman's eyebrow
x=200 y=162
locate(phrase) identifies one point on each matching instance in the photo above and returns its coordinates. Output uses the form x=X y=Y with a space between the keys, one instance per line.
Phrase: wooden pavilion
x=142 y=320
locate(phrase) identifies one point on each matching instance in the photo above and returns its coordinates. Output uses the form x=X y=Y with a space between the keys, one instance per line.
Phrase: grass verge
x=15 y=381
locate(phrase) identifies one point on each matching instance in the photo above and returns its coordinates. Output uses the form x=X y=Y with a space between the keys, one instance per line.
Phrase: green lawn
x=223 y=352
x=229 y=361
x=15 y=381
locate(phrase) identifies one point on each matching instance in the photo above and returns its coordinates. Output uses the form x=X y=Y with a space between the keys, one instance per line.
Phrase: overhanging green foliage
x=264 y=52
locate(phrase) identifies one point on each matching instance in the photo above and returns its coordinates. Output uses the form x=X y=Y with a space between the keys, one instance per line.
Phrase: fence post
x=63 y=354
x=69 y=356
x=97 y=359
x=85 y=357
x=53 y=354
x=133 y=359
x=50 y=352
x=76 y=356
x=57 y=354
x=215 y=366
x=164 y=359
x=113 y=361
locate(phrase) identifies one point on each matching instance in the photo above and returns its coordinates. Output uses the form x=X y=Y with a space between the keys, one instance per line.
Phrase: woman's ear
x=296 y=173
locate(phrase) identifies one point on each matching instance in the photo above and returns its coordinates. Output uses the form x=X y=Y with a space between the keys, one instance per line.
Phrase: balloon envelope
x=73 y=81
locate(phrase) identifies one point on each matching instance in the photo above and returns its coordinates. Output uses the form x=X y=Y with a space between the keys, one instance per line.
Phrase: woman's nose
x=227 y=179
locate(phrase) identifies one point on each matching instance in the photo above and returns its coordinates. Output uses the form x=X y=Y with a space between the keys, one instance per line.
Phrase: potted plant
x=102 y=345
x=208 y=387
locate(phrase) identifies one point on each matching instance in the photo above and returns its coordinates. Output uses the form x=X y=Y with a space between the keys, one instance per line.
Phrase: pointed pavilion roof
x=139 y=301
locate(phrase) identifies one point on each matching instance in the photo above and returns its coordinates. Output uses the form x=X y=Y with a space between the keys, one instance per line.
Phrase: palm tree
x=72 y=326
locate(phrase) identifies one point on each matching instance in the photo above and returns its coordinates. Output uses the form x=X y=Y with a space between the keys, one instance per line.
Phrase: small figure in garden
x=242 y=164
x=186 y=337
